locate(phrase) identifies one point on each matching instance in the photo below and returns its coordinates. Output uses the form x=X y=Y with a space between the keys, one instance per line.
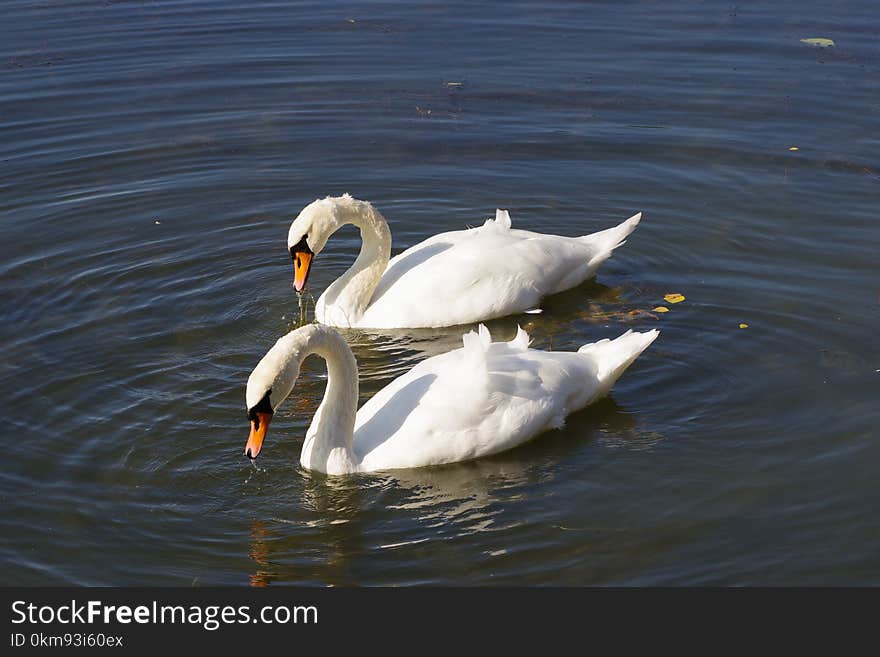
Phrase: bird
x=452 y=278
x=479 y=399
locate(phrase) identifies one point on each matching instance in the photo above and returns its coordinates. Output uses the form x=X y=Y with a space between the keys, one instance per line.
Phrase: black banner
x=117 y=620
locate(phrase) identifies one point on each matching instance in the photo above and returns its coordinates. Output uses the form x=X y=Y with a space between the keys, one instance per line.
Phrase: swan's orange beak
x=302 y=264
x=259 y=426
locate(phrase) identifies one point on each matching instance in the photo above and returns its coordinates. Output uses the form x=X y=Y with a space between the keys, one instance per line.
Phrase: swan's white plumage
x=480 y=399
x=457 y=277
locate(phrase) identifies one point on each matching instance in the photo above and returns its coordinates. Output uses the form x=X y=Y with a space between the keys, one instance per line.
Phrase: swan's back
x=484 y=398
x=481 y=273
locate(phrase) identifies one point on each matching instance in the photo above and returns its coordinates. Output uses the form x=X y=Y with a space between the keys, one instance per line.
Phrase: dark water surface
x=154 y=153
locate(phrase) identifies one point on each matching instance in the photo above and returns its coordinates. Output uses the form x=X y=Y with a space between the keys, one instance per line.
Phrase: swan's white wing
x=471 y=402
x=481 y=273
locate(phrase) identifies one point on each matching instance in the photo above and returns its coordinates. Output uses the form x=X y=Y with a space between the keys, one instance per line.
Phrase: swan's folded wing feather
x=456 y=407
x=472 y=275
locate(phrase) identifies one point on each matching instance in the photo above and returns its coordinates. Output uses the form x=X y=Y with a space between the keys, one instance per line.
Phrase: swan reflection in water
x=340 y=521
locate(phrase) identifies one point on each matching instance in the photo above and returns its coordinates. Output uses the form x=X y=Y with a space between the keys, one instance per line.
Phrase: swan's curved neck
x=328 y=444
x=349 y=295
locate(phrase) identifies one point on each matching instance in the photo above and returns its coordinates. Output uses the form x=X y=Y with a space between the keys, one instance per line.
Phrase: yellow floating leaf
x=660 y=309
x=794 y=148
x=744 y=325
x=819 y=42
x=674 y=297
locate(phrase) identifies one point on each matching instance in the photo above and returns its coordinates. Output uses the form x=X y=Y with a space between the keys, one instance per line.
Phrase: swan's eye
x=263 y=406
x=300 y=247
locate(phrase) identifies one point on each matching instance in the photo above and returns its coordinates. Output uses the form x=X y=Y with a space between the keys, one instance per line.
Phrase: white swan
x=459 y=277
x=477 y=400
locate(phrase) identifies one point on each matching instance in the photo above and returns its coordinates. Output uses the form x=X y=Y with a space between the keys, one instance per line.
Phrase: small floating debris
x=660 y=309
x=673 y=297
x=454 y=84
x=793 y=148
x=818 y=42
x=743 y=325
x=637 y=314
x=157 y=222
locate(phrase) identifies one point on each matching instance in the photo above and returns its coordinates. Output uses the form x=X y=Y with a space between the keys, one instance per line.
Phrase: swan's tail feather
x=612 y=357
x=477 y=342
x=522 y=340
x=605 y=241
x=500 y=222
